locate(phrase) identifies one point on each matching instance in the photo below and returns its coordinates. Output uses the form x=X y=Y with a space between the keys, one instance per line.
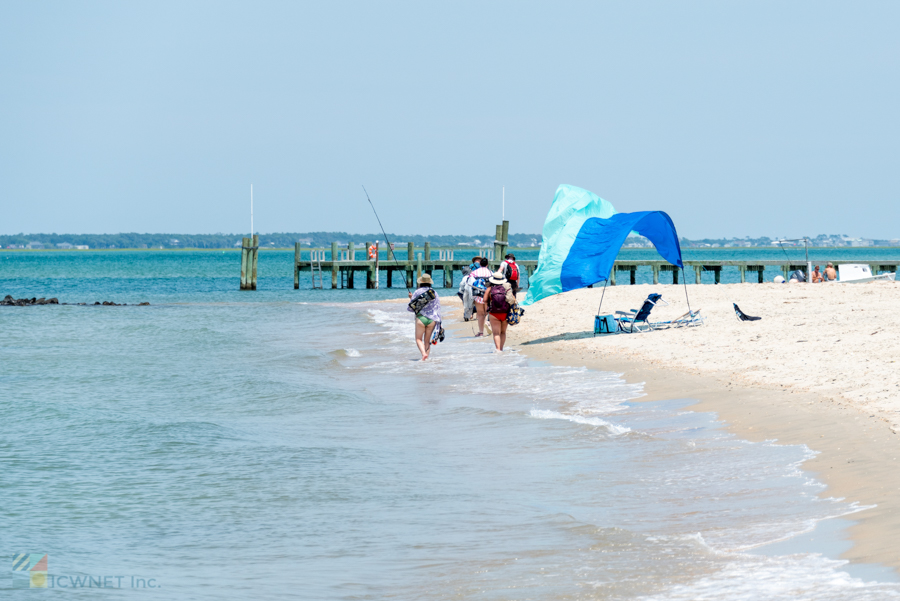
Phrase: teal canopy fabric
x=569 y=261
x=570 y=209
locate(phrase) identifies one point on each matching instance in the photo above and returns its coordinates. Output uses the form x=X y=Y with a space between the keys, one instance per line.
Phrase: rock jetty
x=9 y=301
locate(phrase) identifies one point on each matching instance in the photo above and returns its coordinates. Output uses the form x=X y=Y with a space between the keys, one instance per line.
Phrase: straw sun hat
x=497 y=278
x=425 y=279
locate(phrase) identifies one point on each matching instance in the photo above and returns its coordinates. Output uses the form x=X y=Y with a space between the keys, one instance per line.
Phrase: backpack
x=498 y=300
x=512 y=271
x=479 y=285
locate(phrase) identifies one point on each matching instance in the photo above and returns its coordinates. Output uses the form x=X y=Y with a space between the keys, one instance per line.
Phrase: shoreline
x=852 y=466
x=856 y=443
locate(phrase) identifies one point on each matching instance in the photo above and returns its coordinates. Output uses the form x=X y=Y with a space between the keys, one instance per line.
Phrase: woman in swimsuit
x=428 y=318
x=499 y=288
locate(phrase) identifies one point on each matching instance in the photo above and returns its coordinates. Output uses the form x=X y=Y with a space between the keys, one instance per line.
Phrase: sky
x=737 y=118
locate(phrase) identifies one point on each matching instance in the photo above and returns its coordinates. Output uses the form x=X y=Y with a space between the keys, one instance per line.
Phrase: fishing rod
x=388 y=242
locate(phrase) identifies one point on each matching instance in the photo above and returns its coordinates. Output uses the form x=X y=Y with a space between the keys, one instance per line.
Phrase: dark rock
x=9 y=301
x=143 y=304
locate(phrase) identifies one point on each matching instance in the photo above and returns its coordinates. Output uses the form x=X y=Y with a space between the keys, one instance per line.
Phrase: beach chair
x=629 y=320
x=690 y=319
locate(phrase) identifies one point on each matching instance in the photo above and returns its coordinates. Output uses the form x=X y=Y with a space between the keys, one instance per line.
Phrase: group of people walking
x=489 y=296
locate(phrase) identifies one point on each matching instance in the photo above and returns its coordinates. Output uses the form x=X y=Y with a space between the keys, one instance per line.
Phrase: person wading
x=498 y=299
x=428 y=317
x=479 y=283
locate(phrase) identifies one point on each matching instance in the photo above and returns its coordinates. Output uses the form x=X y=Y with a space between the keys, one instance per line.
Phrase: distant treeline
x=324 y=239
x=277 y=240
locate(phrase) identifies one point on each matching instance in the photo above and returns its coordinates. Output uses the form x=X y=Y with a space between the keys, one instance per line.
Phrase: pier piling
x=245 y=243
x=411 y=256
x=377 y=258
x=249 y=256
x=297 y=265
x=504 y=237
x=255 y=251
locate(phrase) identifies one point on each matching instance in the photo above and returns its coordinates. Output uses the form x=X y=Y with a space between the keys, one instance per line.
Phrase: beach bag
x=515 y=315
x=512 y=271
x=498 y=300
x=605 y=324
x=418 y=303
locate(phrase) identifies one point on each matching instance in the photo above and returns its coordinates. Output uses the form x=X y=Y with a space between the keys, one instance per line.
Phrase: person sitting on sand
x=817 y=276
x=830 y=273
x=498 y=299
x=428 y=317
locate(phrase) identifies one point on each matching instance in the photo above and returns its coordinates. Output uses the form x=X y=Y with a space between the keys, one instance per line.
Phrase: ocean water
x=285 y=444
x=211 y=274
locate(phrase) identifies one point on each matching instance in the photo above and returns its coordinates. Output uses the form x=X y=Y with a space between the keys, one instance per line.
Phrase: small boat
x=857 y=273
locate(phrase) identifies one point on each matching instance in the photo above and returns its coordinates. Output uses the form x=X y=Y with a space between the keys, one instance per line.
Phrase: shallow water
x=285 y=444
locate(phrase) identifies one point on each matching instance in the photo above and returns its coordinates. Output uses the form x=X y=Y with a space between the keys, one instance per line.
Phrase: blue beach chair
x=629 y=320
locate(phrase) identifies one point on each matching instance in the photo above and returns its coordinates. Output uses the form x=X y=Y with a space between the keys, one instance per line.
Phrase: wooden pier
x=344 y=265
x=411 y=264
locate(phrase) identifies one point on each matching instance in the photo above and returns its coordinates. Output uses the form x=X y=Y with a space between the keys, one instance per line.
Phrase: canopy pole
x=601 y=295
x=684 y=281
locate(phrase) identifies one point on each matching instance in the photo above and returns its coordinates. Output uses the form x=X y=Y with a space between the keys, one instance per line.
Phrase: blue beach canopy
x=583 y=243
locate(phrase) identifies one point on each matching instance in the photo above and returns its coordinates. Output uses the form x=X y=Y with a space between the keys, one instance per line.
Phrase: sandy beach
x=816 y=369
